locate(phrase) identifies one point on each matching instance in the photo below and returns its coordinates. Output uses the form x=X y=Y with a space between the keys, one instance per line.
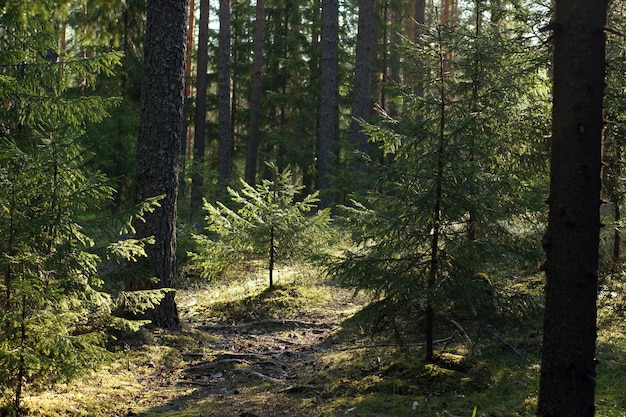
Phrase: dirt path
x=260 y=367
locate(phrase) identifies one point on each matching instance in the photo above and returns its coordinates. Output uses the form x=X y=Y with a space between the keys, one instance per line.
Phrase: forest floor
x=298 y=350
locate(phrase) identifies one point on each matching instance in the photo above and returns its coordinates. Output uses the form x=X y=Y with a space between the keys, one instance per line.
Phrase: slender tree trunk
x=161 y=129
x=434 y=259
x=255 y=99
x=572 y=238
x=21 y=366
x=362 y=102
x=186 y=144
x=328 y=117
x=617 y=239
x=199 y=140
x=384 y=59
x=224 y=151
x=417 y=21
x=272 y=255
x=472 y=221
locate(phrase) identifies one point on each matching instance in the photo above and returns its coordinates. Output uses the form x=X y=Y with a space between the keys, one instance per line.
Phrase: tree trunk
x=429 y=316
x=328 y=117
x=361 y=95
x=161 y=129
x=186 y=144
x=255 y=99
x=224 y=149
x=199 y=140
x=572 y=238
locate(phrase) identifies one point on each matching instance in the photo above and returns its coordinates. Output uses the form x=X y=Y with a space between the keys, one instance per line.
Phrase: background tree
x=161 y=128
x=199 y=140
x=328 y=117
x=257 y=90
x=571 y=240
x=224 y=151
x=361 y=93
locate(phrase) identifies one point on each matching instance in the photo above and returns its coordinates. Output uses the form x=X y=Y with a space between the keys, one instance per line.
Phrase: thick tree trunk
x=199 y=140
x=224 y=149
x=572 y=238
x=255 y=99
x=328 y=118
x=361 y=95
x=161 y=129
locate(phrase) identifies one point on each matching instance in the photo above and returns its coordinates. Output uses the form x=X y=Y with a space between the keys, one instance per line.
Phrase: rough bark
x=255 y=99
x=199 y=140
x=571 y=240
x=224 y=148
x=328 y=101
x=161 y=129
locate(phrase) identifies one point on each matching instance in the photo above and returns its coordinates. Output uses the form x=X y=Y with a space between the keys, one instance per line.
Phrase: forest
x=312 y=208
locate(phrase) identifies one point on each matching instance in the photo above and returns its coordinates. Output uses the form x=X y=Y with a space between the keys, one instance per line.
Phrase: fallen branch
x=445 y=340
x=458 y=326
x=264 y=377
x=208 y=366
x=298 y=323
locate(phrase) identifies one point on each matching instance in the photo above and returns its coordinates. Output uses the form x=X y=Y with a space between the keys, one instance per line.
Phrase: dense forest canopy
x=404 y=149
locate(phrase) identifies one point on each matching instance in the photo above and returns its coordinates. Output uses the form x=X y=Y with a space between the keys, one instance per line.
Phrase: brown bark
x=572 y=238
x=161 y=129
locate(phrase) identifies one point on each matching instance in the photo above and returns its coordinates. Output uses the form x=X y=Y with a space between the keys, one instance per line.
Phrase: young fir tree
x=270 y=223
x=441 y=217
x=55 y=313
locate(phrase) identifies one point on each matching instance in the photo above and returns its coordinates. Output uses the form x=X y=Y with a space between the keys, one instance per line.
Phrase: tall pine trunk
x=161 y=129
x=224 y=148
x=328 y=117
x=361 y=95
x=255 y=99
x=572 y=238
x=199 y=140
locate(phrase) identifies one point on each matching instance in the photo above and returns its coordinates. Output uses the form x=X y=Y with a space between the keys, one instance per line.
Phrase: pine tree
x=161 y=130
x=571 y=241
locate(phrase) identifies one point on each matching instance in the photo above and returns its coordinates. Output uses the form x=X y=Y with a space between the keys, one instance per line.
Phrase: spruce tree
x=55 y=311
x=440 y=220
x=270 y=223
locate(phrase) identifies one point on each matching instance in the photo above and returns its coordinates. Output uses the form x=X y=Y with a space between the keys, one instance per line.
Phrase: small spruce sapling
x=270 y=223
